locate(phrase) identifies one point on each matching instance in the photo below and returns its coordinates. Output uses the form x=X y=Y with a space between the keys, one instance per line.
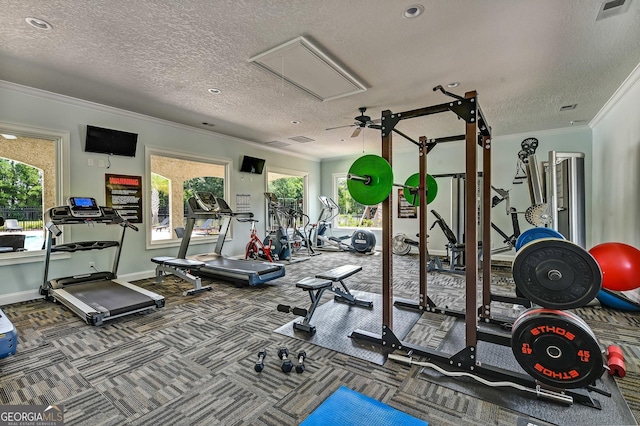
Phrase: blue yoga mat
x=346 y=407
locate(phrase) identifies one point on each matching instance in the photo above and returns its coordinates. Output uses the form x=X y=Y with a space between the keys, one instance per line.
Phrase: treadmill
x=97 y=296
x=204 y=205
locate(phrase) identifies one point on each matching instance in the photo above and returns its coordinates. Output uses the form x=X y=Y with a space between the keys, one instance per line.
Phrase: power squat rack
x=477 y=132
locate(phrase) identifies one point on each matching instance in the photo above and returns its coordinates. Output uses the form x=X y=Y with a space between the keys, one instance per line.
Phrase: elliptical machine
x=361 y=241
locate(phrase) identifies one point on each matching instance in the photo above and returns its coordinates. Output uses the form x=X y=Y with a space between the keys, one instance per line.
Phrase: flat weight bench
x=317 y=286
x=340 y=274
x=180 y=268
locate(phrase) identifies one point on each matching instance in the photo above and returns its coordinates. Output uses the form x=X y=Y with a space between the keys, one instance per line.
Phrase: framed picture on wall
x=405 y=209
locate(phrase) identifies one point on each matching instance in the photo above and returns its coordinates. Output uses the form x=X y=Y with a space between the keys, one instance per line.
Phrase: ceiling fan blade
x=340 y=127
x=356 y=132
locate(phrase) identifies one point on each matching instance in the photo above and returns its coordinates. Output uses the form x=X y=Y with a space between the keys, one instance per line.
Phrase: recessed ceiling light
x=214 y=91
x=454 y=84
x=8 y=136
x=38 y=23
x=413 y=11
x=295 y=122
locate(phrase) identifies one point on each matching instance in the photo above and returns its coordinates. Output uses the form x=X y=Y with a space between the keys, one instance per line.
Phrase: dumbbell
x=260 y=364
x=287 y=365
x=301 y=357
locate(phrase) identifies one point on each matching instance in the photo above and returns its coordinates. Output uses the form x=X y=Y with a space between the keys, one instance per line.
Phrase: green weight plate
x=414 y=181
x=379 y=171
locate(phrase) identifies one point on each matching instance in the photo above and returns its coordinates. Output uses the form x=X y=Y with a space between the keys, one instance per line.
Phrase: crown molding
x=81 y=103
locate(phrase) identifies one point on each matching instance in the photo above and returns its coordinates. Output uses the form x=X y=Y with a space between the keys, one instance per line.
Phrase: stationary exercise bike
x=255 y=248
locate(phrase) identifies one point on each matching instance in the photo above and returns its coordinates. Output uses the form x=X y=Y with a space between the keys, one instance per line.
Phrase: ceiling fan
x=361 y=122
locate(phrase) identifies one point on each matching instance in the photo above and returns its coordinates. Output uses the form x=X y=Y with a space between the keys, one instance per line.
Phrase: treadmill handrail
x=84 y=246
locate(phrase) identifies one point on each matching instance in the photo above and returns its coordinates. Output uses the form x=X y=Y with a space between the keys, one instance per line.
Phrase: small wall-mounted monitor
x=252 y=165
x=112 y=142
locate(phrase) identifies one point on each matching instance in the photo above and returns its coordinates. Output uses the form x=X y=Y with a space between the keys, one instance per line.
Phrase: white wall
x=30 y=107
x=616 y=151
x=449 y=158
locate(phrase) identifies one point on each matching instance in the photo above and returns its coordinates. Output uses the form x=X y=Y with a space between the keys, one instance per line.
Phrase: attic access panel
x=300 y=63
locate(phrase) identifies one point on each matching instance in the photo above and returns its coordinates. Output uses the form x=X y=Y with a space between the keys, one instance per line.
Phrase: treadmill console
x=84 y=207
x=206 y=201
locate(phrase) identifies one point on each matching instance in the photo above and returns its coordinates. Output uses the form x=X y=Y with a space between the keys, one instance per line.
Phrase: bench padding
x=310 y=283
x=339 y=273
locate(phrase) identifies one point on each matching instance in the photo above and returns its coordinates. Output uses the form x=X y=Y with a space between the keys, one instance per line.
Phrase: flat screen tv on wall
x=252 y=165
x=112 y=142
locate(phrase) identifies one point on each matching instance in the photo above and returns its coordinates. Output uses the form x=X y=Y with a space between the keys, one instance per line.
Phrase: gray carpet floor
x=191 y=362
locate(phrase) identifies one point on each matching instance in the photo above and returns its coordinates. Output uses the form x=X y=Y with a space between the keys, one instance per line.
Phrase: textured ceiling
x=525 y=59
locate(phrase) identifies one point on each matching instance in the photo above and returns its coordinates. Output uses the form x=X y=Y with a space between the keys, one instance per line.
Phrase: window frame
x=290 y=173
x=334 y=224
x=62 y=149
x=227 y=163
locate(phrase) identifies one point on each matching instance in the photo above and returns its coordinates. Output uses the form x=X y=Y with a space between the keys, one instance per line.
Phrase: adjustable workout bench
x=455 y=250
x=180 y=268
x=317 y=286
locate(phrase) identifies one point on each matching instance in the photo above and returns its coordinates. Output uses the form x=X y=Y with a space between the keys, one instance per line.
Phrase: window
x=173 y=178
x=290 y=188
x=33 y=178
x=353 y=214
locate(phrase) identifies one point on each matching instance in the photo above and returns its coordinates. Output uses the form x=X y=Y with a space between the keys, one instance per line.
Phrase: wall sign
x=124 y=194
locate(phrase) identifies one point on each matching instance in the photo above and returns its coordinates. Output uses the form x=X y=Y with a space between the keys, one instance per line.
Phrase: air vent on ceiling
x=301 y=139
x=612 y=8
x=277 y=144
x=568 y=107
x=305 y=66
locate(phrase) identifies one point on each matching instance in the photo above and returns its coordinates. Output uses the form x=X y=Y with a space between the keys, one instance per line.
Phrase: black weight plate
x=556 y=274
x=363 y=240
x=556 y=348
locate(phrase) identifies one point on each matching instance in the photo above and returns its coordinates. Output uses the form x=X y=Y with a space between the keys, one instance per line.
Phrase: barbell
x=370 y=181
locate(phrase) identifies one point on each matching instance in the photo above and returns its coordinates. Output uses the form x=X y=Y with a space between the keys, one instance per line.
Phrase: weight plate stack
x=556 y=274
x=556 y=348
x=535 y=234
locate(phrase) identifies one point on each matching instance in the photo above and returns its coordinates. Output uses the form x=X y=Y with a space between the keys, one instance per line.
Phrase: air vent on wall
x=305 y=66
x=568 y=107
x=612 y=8
x=301 y=139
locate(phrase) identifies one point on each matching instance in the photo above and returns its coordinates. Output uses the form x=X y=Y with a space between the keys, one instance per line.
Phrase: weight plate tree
x=411 y=189
x=370 y=180
x=557 y=348
x=556 y=274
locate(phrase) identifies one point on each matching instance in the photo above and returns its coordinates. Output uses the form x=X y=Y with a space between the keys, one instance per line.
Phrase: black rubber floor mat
x=334 y=322
x=615 y=410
